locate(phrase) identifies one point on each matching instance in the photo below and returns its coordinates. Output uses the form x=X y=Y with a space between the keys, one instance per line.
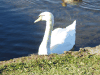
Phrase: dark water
x=19 y=36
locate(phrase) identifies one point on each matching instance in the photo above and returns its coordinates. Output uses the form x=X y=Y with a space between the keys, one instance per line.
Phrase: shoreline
x=87 y=50
x=85 y=61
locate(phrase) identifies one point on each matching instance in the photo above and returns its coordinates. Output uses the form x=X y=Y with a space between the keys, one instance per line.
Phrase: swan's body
x=58 y=40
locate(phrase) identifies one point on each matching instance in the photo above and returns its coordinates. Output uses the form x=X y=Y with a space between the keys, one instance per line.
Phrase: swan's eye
x=41 y=15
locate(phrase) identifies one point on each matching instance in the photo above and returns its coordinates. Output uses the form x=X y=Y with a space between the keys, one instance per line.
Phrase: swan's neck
x=48 y=31
x=47 y=35
x=45 y=45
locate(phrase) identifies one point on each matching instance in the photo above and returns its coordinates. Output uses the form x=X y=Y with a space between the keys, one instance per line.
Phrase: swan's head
x=45 y=16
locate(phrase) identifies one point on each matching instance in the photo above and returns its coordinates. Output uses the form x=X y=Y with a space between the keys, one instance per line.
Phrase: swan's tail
x=72 y=26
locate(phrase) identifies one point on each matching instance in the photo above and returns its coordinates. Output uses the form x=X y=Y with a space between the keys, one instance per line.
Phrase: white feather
x=58 y=40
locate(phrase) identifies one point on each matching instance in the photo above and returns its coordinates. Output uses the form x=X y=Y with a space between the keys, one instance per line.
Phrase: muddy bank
x=92 y=50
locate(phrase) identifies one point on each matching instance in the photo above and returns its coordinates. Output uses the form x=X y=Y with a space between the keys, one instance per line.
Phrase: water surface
x=19 y=36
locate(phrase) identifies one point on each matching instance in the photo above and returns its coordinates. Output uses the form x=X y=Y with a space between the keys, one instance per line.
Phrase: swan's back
x=72 y=26
x=63 y=39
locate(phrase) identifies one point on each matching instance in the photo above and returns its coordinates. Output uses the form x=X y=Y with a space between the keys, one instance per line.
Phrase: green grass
x=69 y=63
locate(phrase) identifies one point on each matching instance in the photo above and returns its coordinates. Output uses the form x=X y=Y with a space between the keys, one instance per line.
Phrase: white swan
x=58 y=40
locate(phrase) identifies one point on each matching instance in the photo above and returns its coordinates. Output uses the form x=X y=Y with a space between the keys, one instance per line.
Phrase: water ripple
x=53 y=1
x=93 y=5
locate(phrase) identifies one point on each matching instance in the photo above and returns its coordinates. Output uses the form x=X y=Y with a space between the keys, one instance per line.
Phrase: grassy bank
x=70 y=63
